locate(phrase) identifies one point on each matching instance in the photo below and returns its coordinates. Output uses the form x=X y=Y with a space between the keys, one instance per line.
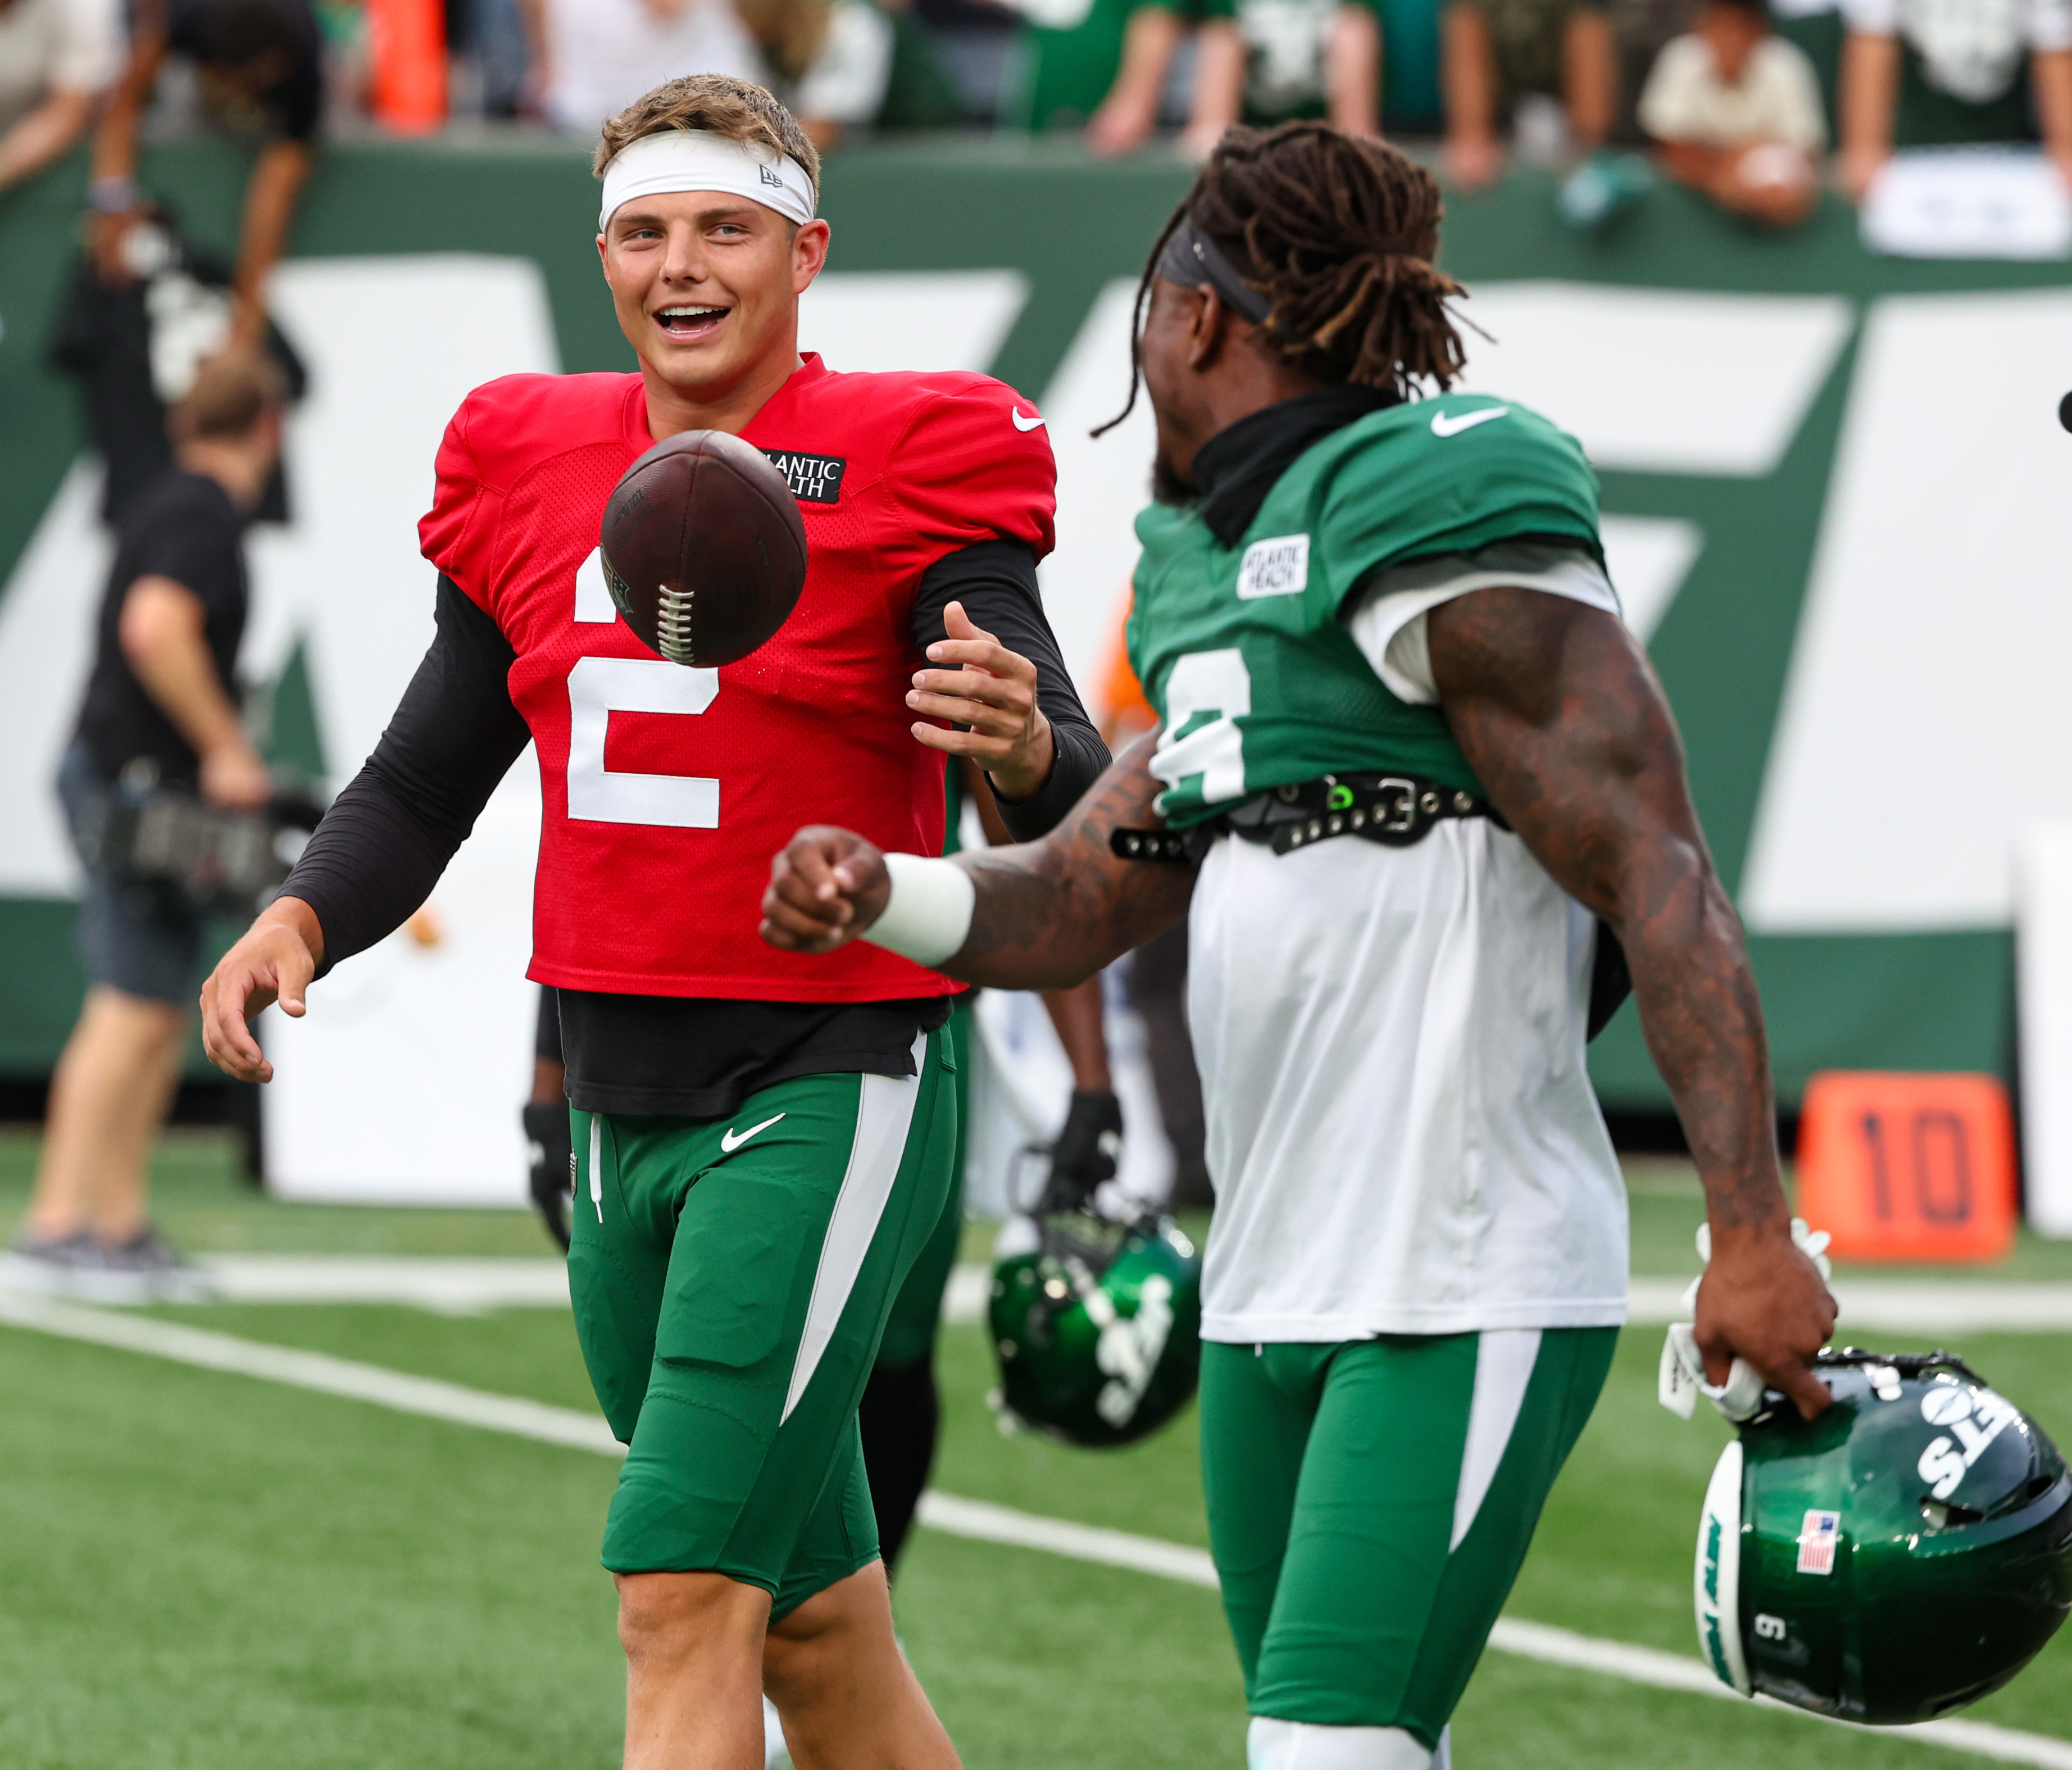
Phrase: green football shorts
x=731 y=1278
x=916 y=1318
x=1370 y=1502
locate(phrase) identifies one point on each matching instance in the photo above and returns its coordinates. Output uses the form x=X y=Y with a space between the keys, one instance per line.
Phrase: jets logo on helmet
x=1903 y=1555
x=1097 y=1328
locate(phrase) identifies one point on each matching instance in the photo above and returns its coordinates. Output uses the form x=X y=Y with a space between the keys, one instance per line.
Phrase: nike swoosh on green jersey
x=1444 y=426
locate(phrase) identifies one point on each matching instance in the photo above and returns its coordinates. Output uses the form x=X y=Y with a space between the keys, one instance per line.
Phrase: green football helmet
x=1098 y=1327
x=1898 y=1557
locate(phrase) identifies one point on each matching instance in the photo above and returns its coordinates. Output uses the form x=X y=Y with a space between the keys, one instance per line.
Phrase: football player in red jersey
x=763 y=1142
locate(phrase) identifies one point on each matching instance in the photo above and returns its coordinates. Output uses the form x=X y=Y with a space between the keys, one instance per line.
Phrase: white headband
x=684 y=159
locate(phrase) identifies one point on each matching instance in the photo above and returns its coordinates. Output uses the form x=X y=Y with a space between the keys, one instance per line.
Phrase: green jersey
x=1243 y=651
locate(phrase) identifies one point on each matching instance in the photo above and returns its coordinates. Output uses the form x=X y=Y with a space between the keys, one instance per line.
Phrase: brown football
x=703 y=550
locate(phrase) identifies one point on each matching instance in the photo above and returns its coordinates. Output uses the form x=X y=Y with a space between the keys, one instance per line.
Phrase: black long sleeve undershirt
x=454 y=734
x=996 y=580
x=388 y=836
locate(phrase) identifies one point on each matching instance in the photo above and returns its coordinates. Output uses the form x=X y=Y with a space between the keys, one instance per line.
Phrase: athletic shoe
x=151 y=1266
x=55 y=1265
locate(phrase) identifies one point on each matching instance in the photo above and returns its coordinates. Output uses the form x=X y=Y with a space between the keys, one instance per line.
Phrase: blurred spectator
x=1266 y=61
x=57 y=57
x=1642 y=29
x=1127 y=118
x=160 y=716
x=259 y=65
x=1498 y=51
x=492 y=58
x=1917 y=73
x=592 y=58
x=1099 y=65
x=1363 y=63
x=1736 y=111
x=830 y=61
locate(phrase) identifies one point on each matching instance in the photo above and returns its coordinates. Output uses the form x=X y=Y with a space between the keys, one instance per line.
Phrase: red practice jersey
x=665 y=790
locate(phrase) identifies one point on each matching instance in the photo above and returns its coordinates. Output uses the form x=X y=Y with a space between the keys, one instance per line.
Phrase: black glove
x=553 y=1158
x=1085 y=1153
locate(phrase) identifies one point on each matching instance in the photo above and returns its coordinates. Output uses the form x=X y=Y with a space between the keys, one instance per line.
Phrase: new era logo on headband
x=689 y=159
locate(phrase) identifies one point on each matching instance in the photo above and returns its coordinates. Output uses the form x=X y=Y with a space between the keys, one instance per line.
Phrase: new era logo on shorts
x=1278 y=567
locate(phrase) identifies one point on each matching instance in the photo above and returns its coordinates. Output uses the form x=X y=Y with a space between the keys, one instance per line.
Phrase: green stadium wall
x=1932 y=995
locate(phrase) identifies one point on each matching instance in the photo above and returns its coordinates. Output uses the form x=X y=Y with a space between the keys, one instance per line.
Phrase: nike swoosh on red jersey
x=1021 y=423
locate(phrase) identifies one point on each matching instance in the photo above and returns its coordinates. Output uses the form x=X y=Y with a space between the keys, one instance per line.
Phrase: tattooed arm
x=1557 y=709
x=1049 y=914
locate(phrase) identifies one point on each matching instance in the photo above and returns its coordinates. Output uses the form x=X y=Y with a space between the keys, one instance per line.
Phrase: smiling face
x=706 y=285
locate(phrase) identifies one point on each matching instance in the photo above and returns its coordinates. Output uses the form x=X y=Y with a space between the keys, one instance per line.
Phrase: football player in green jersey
x=1420 y=786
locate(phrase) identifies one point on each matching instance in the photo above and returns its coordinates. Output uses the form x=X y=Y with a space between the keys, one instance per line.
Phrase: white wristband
x=929 y=912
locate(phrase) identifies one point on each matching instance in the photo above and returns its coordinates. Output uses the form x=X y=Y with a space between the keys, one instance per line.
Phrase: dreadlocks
x=1338 y=234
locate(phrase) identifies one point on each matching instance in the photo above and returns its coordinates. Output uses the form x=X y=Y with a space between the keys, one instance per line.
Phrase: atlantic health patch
x=814 y=479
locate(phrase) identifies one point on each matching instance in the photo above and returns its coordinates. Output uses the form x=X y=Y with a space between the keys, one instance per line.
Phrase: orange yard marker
x=1898 y=1166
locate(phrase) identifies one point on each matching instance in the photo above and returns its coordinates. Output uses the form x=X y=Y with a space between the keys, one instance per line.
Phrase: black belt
x=1396 y=810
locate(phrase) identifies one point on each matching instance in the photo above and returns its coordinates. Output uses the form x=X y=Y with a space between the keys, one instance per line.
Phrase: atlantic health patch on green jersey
x=1243 y=651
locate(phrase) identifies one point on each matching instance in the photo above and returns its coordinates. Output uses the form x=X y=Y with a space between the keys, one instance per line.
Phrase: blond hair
x=231 y=394
x=735 y=110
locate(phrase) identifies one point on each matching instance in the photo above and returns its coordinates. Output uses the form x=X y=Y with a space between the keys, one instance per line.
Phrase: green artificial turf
x=201 y=1199
x=1667 y=1205
x=206 y=1572
x=203 y=1572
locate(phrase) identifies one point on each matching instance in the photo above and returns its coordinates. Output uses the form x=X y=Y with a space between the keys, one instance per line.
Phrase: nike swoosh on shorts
x=1444 y=426
x=1021 y=423
x=731 y=1140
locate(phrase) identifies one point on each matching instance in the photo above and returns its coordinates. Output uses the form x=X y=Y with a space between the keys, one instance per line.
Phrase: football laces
x=673 y=625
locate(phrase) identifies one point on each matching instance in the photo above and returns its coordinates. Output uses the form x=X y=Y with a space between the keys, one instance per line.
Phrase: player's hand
x=1857 y=170
x=826 y=887
x=233 y=776
x=273 y=962
x=1472 y=161
x=1763 y=1300
x=992 y=690
x=108 y=235
x=1086 y=1153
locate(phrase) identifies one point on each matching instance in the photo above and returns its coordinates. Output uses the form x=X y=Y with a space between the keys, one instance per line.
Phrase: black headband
x=1192 y=259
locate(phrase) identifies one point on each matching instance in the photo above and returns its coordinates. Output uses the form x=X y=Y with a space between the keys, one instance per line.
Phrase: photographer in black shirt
x=160 y=712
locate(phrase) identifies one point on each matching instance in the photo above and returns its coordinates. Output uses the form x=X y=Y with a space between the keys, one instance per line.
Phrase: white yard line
x=1918 y=1309
x=988 y=1523
x=975 y=1518
x=451 y=1286
x=375 y=1383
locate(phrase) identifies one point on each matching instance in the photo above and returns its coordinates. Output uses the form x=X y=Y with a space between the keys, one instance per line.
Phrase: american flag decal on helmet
x=1817 y=1538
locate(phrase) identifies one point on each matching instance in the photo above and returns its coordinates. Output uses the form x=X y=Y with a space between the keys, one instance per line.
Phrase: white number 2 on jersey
x=1216 y=683
x=599 y=687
